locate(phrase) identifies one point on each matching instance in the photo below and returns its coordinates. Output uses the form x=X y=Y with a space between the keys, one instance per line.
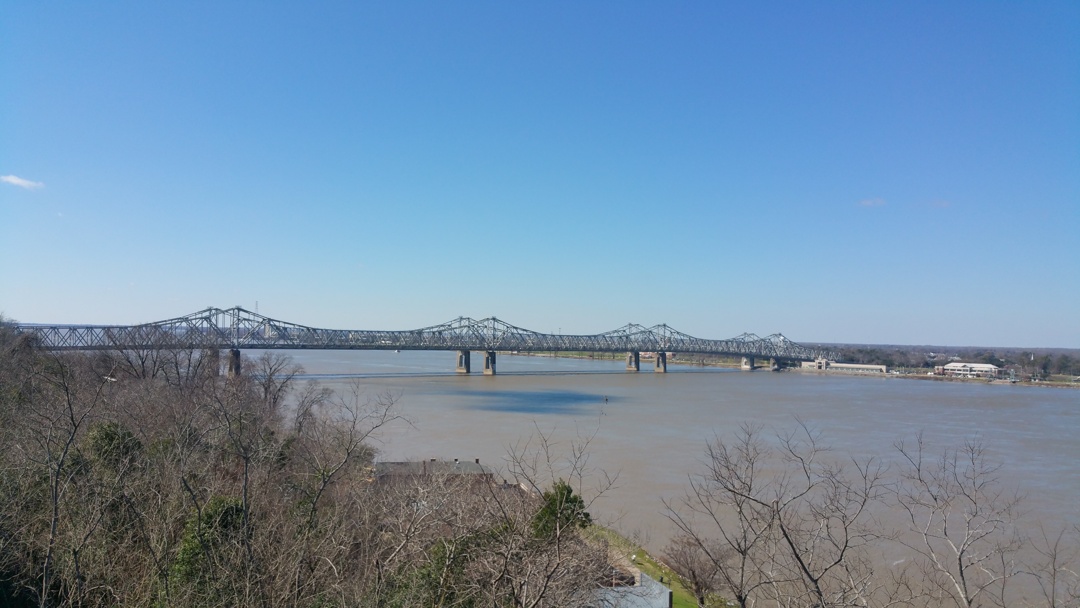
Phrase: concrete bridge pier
x=464 y=361
x=234 y=362
x=774 y=365
x=633 y=361
x=660 y=363
x=748 y=363
x=212 y=361
x=489 y=363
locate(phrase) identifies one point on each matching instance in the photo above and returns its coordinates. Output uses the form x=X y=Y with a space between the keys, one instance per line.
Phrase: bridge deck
x=215 y=328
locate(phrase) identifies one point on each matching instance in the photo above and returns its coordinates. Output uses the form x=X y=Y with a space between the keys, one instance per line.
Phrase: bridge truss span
x=237 y=328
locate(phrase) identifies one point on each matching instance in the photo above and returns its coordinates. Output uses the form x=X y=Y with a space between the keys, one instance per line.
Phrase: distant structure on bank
x=968 y=370
x=639 y=591
x=413 y=469
x=951 y=370
x=825 y=365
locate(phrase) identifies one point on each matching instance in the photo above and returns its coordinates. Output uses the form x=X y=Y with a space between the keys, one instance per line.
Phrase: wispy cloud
x=15 y=180
x=872 y=202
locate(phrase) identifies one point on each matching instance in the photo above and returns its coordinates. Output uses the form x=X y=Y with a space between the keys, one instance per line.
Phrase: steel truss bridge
x=237 y=328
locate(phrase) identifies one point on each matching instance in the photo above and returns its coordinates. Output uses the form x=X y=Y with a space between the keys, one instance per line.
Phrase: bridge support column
x=748 y=363
x=211 y=361
x=489 y=363
x=660 y=363
x=464 y=363
x=234 y=362
x=633 y=361
x=774 y=365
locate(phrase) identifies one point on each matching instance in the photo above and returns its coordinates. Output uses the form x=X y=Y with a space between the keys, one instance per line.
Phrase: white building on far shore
x=968 y=370
x=852 y=368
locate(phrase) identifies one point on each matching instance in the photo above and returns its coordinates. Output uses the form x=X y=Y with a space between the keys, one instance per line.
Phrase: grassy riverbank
x=634 y=556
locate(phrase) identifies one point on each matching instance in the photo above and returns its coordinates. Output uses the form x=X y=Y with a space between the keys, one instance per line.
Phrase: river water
x=651 y=429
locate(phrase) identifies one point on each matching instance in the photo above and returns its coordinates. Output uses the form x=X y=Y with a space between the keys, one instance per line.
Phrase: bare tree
x=55 y=399
x=1056 y=566
x=187 y=368
x=960 y=523
x=335 y=438
x=788 y=524
x=311 y=398
x=721 y=502
x=694 y=566
x=543 y=558
x=274 y=375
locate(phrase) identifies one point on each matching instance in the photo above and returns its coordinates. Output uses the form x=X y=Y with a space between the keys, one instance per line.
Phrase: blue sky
x=836 y=171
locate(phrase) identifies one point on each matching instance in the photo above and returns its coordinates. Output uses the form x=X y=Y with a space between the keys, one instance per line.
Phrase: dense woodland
x=146 y=479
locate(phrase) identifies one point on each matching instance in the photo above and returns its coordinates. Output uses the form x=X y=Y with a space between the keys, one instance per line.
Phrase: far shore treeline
x=1039 y=363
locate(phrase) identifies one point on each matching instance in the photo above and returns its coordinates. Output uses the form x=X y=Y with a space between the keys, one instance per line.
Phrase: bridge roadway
x=237 y=328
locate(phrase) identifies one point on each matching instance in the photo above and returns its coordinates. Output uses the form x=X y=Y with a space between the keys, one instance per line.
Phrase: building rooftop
x=431 y=467
x=980 y=366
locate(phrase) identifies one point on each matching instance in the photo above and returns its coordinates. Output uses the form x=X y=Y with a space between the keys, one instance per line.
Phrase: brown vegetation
x=148 y=479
